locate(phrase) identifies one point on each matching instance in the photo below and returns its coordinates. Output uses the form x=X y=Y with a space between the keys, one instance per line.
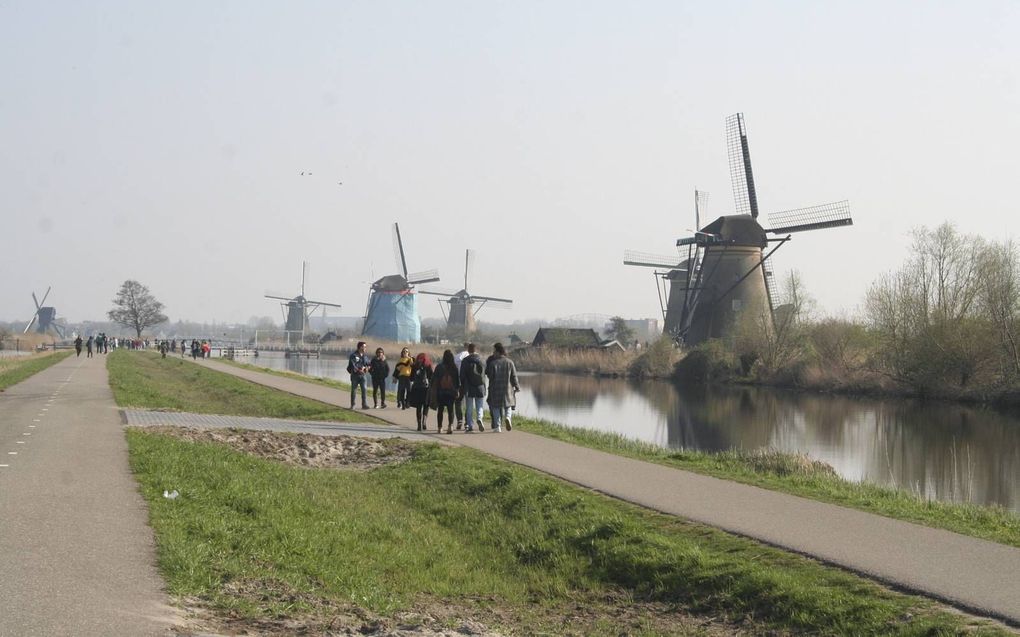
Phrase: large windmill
x=45 y=317
x=296 y=310
x=392 y=312
x=462 y=304
x=727 y=270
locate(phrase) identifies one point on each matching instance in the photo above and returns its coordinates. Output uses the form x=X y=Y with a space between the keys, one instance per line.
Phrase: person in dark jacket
x=447 y=384
x=379 y=369
x=418 y=396
x=503 y=387
x=472 y=388
x=357 y=366
x=88 y=346
x=77 y=345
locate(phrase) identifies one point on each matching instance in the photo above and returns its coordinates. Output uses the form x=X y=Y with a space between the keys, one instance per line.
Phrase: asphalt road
x=976 y=575
x=77 y=556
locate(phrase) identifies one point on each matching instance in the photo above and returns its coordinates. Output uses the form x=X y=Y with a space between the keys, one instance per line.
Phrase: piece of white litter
x=171 y=495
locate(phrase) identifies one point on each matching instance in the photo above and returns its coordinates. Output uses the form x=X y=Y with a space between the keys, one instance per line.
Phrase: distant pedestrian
x=184 y=347
x=206 y=349
x=458 y=405
x=503 y=387
x=88 y=346
x=357 y=366
x=472 y=388
x=77 y=345
x=447 y=386
x=163 y=347
x=418 y=396
x=195 y=348
x=379 y=370
x=402 y=372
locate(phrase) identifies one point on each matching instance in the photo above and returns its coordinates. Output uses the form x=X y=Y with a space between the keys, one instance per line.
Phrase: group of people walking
x=458 y=386
x=100 y=343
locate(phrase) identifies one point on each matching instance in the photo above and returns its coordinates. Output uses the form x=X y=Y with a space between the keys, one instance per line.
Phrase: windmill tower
x=297 y=309
x=671 y=273
x=45 y=317
x=392 y=312
x=462 y=304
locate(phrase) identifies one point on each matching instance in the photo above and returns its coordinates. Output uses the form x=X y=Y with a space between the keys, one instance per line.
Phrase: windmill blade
x=428 y=276
x=323 y=303
x=58 y=329
x=469 y=259
x=440 y=292
x=32 y=322
x=829 y=215
x=398 y=248
x=495 y=305
x=700 y=207
x=44 y=297
x=745 y=197
x=491 y=299
x=646 y=260
x=279 y=298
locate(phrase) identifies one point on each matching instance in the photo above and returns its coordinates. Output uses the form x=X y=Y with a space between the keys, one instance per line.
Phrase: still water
x=939 y=450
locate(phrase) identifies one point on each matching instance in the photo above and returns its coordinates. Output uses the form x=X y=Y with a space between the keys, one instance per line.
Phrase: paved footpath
x=979 y=576
x=77 y=556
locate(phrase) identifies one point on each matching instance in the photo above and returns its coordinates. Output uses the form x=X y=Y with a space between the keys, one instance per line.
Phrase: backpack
x=473 y=372
x=421 y=378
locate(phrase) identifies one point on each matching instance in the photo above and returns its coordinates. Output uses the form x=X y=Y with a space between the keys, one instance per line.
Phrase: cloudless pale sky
x=164 y=141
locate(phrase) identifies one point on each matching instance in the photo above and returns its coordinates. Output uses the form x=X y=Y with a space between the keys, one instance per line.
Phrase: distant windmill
x=726 y=271
x=671 y=274
x=297 y=309
x=392 y=312
x=45 y=316
x=462 y=304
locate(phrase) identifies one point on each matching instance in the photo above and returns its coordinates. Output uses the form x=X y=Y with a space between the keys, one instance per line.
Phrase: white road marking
x=35 y=420
x=12 y=453
x=4 y=465
x=26 y=433
x=19 y=442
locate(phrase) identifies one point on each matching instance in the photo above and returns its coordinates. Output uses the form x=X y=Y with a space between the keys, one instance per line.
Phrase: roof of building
x=567 y=337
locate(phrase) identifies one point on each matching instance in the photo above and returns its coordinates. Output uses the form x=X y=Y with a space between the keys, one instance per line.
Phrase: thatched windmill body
x=392 y=312
x=726 y=271
x=464 y=306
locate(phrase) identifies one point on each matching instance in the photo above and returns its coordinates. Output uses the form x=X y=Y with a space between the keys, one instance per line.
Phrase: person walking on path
x=472 y=388
x=379 y=369
x=77 y=346
x=357 y=366
x=446 y=380
x=503 y=385
x=458 y=404
x=418 y=396
x=206 y=349
x=402 y=373
x=88 y=347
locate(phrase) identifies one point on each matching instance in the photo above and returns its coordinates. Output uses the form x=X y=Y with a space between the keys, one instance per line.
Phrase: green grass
x=796 y=475
x=145 y=380
x=511 y=545
x=15 y=370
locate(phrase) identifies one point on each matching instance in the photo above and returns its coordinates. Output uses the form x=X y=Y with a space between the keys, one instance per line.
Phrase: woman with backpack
x=418 y=396
x=446 y=380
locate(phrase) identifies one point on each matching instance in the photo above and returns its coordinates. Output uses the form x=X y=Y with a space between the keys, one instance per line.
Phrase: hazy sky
x=164 y=141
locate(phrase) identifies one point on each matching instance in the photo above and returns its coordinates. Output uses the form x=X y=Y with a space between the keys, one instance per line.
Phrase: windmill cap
x=738 y=230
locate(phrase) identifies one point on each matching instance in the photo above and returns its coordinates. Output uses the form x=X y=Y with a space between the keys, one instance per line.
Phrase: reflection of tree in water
x=564 y=391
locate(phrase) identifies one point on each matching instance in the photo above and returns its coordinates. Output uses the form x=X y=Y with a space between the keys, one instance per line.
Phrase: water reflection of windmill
x=296 y=310
x=45 y=317
x=392 y=312
x=462 y=304
x=728 y=273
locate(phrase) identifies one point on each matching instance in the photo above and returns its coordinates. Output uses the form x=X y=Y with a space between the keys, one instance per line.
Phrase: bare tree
x=135 y=307
x=1000 y=297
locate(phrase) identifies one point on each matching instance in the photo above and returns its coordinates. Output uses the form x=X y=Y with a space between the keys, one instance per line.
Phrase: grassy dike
x=15 y=370
x=147 y=381
x=797 y=475
x=483 y=539
x=318 y=380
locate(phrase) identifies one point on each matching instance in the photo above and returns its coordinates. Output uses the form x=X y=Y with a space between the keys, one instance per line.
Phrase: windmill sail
x=830 y=215
x=745 y=197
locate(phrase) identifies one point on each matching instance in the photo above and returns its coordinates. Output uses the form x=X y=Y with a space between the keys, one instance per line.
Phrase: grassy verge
x=15 y=370
x=502 y=544
x=144 y=380
x=797 y=475
x=318 y=380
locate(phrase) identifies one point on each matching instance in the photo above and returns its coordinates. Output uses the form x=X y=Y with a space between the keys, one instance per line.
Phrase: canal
x=942 y=451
